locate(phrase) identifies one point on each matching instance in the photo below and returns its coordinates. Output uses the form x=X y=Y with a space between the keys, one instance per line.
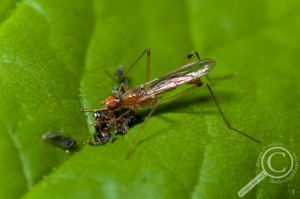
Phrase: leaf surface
x=54 y=58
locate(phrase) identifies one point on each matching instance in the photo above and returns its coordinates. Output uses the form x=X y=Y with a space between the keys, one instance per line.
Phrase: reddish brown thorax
x=112 y=102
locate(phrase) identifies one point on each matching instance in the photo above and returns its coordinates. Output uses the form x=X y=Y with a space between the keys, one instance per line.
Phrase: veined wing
x=182 y=75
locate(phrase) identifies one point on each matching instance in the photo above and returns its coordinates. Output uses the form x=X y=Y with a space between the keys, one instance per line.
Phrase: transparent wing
x=182 y=75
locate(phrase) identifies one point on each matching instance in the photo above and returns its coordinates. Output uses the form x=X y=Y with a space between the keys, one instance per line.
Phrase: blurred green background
x=53 y=58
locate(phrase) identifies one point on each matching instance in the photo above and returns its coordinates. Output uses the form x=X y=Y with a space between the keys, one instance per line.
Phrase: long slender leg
x=180 y=93
x=115 y=119
x=92 y=109
x=224 y=118
x=124 y=87
x=188 y=57
x=220 y=78
x=131 y=146
x=147 y=50
x=199 y=83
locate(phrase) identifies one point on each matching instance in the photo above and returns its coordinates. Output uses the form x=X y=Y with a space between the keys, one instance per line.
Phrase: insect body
x=147 y=94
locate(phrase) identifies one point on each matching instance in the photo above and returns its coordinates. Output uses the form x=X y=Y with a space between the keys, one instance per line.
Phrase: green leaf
x=53 y=61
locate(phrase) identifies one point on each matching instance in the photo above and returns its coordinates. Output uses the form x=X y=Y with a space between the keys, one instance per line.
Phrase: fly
x=147 y=95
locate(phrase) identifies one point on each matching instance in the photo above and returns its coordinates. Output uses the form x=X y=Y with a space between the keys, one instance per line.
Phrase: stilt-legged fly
x=147 y=95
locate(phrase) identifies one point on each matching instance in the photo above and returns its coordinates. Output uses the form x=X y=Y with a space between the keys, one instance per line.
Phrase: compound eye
x=113 y=104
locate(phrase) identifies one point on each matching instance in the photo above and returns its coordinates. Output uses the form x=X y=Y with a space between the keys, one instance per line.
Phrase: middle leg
x=188 y=57
x=147 y=50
